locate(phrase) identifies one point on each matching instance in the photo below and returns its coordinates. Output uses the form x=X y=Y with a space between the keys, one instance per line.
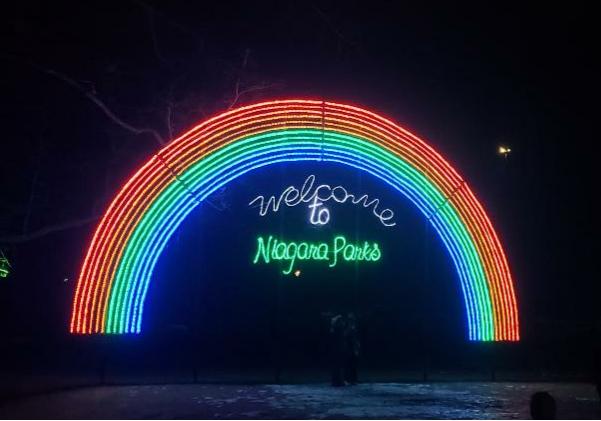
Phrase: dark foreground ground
x=374 y=400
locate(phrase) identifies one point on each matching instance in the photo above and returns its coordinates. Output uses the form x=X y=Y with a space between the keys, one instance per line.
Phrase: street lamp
x=504 y=150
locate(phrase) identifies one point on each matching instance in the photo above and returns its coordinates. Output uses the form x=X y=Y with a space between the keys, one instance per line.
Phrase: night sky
x=467 y=78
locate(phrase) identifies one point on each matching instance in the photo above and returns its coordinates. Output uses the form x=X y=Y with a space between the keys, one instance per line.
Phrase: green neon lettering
x=376 y=253
x=322 y=252
x=314 y=251
x=262 y=249
x=303 y=255
x=349 y=252
x=290 y=252
x=358 y=254
x=279 y=251
x=364 y=252
x=291 y=256
x=339 y=243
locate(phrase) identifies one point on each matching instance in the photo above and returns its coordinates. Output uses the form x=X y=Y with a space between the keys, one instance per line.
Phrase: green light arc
x=200 y=179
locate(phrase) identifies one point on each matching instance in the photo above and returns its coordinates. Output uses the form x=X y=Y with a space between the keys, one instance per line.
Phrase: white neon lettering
x=316 y=197
x=323 y=214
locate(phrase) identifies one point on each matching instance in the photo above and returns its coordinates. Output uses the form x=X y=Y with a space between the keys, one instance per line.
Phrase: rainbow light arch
x=115 y=274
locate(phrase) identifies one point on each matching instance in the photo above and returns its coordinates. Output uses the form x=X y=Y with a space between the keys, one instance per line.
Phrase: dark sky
x=466 y=77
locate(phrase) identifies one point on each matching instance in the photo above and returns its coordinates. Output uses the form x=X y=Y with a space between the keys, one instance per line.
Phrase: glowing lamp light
x=504 y=150
x=297 y=273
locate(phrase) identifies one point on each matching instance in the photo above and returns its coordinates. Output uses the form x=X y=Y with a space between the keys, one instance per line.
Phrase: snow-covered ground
x=374 y=400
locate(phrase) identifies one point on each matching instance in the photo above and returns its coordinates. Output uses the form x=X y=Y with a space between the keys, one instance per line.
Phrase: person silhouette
x=542 y=406
x=337 y=330
x=597 y=363
x=352 y=347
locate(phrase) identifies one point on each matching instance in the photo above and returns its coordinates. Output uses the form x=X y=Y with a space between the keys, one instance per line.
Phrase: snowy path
x=376 y=400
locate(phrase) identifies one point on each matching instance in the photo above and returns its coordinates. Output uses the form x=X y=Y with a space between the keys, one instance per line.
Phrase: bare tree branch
x=238 y=94
x=150 y=14
x=169 y=116
x=92 y=97
x=23 y=238
x=237 y=85
x=169 y=119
